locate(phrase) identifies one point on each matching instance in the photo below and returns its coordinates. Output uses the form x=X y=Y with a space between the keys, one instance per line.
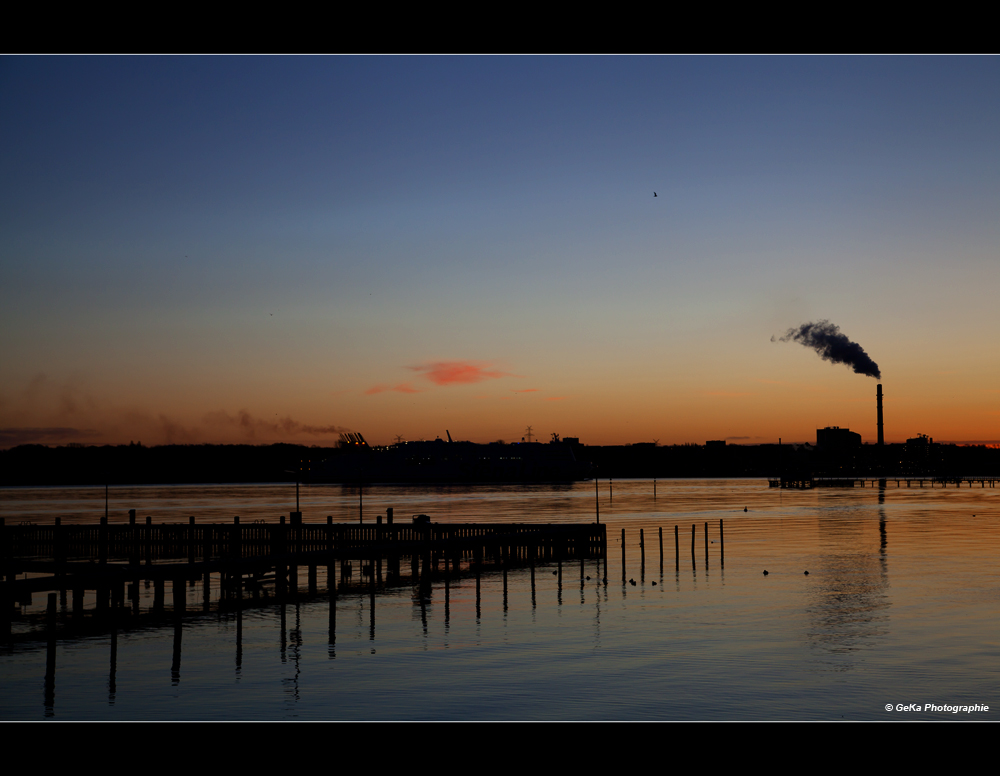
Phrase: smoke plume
x=825 y=338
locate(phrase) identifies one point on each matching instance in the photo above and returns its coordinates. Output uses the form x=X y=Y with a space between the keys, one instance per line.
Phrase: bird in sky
x=654 y=193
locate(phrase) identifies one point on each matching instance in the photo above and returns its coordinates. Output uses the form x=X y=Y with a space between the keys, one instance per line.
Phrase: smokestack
x=878 y=397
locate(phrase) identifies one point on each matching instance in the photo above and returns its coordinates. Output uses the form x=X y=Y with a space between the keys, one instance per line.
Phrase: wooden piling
x=50 y=653
x=180 y=595
x=58 y=554
x=102 y=541
x=706 y=544
x=236 y=540
x=677 y=549
x=623 y=556
x=6 y=592
x=332 y=625
x=642 y=548
x=113 y=668
x=722 y=545
x=331 y=579
x=661 y=546
x=206 y=543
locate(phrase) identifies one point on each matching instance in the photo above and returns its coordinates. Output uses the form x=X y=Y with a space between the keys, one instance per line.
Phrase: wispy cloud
x=11 y=437
x=250 y=427
x=459 y=372
x=555 y=398
x=401 y=388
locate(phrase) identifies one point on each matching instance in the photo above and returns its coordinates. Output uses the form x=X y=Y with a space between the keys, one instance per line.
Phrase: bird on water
x=765 y=572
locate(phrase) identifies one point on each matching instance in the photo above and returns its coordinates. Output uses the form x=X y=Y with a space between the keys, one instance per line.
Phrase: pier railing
x=113 y=559
x=146 y=544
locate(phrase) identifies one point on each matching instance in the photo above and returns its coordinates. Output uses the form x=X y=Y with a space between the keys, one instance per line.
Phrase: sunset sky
x=261 y=249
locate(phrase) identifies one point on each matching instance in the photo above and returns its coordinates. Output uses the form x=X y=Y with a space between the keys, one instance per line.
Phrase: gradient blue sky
x=277 y=248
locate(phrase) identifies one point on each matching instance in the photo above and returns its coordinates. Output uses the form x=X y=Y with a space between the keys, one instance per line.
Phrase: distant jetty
x=872 y=481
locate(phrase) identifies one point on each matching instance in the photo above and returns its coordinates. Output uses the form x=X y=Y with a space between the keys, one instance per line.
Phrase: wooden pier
x=875 y=481
x=259 y=560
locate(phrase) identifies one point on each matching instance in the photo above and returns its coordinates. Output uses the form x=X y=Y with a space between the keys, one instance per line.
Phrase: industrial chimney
x=878 y=397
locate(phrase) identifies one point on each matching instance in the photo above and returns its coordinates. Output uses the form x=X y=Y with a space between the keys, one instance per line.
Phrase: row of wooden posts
x=77 y=577
x=677 y=546
x=233 y=584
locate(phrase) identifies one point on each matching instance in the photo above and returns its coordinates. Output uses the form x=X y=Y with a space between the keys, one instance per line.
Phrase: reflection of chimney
x=878 y=397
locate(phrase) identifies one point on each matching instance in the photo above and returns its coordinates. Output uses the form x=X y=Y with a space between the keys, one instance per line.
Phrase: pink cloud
x=401 y=388
x=459 y=372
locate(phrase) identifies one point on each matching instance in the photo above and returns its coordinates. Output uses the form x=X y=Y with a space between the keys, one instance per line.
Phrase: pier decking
x=255 y=560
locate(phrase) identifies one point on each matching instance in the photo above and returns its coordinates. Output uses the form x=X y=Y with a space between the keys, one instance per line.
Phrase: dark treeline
x=136 y=464
x=719 y=460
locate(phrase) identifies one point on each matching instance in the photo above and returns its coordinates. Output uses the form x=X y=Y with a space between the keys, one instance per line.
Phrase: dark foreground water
x=899 y=609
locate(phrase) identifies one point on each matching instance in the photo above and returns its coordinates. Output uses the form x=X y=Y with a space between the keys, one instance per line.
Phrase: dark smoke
x=825 y=338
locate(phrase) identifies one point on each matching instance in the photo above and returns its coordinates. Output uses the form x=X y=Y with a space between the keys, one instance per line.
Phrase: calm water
x=900 y=606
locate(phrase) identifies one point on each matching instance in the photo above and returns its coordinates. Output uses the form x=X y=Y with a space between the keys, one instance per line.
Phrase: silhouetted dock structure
x=259 y=560
x=876 y=480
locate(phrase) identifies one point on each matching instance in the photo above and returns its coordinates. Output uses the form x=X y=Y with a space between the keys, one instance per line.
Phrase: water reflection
x=849 y=601
x=521 y=644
